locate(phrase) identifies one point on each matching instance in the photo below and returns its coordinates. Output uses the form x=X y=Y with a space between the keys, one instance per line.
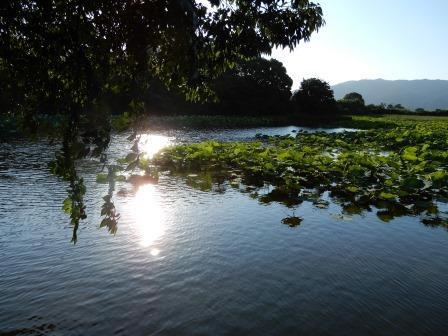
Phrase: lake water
x=188 y=262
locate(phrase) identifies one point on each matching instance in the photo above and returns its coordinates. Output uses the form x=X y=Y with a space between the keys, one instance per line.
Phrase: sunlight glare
x=148 y=215
x=150 y=144
x=155 y=252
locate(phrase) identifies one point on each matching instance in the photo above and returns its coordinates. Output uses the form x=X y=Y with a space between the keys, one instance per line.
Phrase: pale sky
x=369 y=39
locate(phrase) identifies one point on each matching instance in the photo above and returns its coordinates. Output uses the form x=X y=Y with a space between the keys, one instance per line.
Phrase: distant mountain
x=424 y=93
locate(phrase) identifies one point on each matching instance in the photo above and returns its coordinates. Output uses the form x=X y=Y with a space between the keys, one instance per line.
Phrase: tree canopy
x=255 y=87
x=352 y=102
x=314 y=96
x=71 y=56
x=354 y=97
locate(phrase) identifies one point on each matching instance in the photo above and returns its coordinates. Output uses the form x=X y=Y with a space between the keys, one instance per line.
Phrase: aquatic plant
x=400 y=170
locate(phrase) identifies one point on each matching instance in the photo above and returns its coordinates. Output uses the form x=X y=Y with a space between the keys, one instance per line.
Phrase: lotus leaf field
x=397 y=170
x=396 y=167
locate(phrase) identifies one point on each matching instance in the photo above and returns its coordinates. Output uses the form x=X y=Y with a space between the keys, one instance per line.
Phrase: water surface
x=189 y=262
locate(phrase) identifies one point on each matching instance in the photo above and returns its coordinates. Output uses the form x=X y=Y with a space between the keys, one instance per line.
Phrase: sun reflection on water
x=148 y=216
x=150 y=144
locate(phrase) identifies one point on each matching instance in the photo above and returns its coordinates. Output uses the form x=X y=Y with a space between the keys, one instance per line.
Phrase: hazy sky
x=369 y=39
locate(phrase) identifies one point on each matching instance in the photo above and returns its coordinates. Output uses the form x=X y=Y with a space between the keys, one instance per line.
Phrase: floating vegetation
x=292 y=221
x=412 y=179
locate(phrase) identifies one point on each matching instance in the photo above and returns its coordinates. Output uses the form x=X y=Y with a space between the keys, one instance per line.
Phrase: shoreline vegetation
x=13 y=126
x=123 y=122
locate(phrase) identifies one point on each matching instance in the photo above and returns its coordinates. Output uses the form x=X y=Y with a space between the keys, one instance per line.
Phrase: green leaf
x=409 y=154
x=387 y=196
x=439 y=175
x=67 y=205
x=268 y=166
x=413 y=183
x=353 y=189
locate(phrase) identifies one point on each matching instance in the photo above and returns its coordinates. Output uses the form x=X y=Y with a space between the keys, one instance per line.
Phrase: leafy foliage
x=354 y=97
x=292 y=221
x=108 y=210
x=63 y=56
x=255 y=87
x=401 y=170
x=352 y=103
x=314 y=96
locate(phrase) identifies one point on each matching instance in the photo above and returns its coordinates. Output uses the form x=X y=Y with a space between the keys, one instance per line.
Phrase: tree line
x=262 y=87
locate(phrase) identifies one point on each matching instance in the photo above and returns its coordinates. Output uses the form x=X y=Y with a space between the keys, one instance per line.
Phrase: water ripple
x=225 y=263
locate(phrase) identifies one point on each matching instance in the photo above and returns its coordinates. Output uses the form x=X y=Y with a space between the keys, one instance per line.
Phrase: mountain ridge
x=430 y=94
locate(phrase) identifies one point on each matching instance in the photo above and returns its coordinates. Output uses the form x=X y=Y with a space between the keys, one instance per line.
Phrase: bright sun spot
x=148 y=216
x=155 y=252
x=150 y=144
